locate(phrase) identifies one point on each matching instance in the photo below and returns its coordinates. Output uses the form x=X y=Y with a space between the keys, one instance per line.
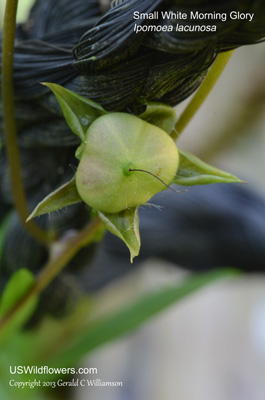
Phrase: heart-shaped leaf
x=193 y=171
x=78 y=111
x=62 y=197
x=160 y=115
x=125 y=225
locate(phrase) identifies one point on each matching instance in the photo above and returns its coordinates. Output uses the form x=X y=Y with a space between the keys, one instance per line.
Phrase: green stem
x=205 y=88
x=10 y=123
x=63 y=253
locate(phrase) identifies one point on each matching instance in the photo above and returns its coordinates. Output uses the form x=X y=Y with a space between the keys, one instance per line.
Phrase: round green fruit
x=117 y=144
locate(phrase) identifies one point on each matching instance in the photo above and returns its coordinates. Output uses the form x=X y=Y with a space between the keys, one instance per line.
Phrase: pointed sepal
x=193 y=171
x=161 y=115
x=125 y=225
x=78 y=111
x=62 y=197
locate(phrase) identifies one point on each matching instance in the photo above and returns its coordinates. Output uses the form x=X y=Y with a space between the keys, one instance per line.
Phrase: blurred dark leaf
x=3 y=230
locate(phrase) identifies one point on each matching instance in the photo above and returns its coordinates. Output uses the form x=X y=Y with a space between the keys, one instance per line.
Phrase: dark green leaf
x=125 y=225
x=16 y=288
x=62 y=197
x=3 y=230
x=160 y=115
x=133 y=315
x=78 y=111
x=193 y=171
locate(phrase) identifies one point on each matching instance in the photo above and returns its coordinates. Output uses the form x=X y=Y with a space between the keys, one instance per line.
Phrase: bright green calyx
x=124 y=161
x=115 y=144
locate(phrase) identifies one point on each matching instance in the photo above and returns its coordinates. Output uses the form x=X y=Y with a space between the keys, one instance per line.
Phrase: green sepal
x=78 y=111
x=64 y=196
x=80 y=150
x=193 y=171
x=125 y=225
x=161 y=115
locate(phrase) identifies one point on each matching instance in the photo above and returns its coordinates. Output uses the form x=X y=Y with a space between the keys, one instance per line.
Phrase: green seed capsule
x=116 y=144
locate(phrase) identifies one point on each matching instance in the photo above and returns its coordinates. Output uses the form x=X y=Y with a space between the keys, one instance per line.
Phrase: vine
x=10 y=128
x=202 y=93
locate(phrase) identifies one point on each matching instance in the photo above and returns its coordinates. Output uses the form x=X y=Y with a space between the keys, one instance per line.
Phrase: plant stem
x=55 y=265
x=205 y=88
x=10 y=129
